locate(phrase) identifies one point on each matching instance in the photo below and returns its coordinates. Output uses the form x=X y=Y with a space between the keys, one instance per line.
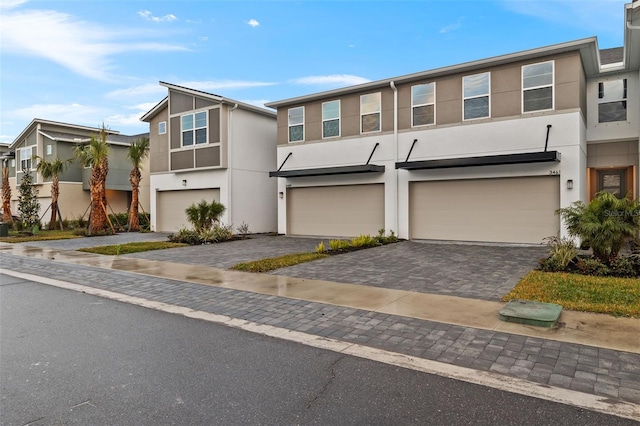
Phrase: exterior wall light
x=184 y=182
x=280 y=194
x=570 y=184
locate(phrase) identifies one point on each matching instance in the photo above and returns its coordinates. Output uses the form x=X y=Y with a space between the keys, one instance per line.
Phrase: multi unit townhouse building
x=481 y=151
x=49 y=140
x=205 y=146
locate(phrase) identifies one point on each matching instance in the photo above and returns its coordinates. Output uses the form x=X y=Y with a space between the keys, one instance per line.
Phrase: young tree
x=95 y=155
x=28 y=204
x=6 y=194
x=203 y=215
x=51 y=170
x=137 y=153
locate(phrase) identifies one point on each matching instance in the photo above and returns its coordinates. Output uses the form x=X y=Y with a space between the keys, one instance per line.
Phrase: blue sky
x=93 y=62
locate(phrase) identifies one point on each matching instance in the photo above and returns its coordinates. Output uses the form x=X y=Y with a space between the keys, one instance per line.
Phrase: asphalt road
x=71 y=358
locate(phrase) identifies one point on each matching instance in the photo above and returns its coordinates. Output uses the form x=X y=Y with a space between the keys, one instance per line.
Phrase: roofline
x=587 y=46
x=57 y=123
x=155 y=110
x=228 y=101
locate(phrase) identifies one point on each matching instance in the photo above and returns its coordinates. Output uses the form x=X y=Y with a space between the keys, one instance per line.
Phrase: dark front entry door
x=613 y=182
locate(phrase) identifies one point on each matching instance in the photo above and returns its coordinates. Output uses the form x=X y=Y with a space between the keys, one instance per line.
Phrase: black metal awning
x=489 y=160
x=327 y=171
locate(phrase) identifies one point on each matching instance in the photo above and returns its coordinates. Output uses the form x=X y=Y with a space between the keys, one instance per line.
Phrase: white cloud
x=253 y=23
x=333 y=80
x=256 y=102
x=452 y=27
x=6 y=139
x=83 y=47
x=150 y=17
x=154 y=89
x=74 y=113
x=10 y=4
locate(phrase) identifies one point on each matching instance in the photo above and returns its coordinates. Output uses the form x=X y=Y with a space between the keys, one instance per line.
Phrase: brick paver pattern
x=610 y=373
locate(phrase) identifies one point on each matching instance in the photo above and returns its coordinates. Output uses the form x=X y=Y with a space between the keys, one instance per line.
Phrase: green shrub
x=203 y=215
x=363 y=241
x=593 y=266
x=561 y=252
x=186 y=236
x=335 y=245
x=623 y=267
x=222 y=232
x=550 y=264
x=381 y=238
x=320 y=247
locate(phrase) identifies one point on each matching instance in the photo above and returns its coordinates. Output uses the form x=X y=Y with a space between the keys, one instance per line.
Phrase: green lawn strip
x=269 y=264
x=128 y=248
x=607 y=295
x=15 y=237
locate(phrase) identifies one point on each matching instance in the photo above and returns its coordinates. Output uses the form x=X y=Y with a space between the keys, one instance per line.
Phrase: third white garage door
x=513 y=210
x=170 y=207
x=344 y=211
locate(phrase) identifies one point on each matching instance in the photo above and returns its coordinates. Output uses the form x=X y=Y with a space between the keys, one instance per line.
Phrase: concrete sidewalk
x=596 y=354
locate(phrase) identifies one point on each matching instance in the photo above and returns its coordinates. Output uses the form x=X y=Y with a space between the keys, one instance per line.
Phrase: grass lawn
x=128 y=248
x=269 y=264
x=607 y=295
x=43 y=235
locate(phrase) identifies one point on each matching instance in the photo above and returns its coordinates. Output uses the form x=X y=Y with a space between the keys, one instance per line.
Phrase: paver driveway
x=475 y=271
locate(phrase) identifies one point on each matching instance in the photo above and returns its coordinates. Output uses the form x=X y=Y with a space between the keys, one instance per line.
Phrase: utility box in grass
x=4 y=229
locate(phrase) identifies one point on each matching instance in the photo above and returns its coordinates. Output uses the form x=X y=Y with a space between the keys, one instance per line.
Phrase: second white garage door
x=343 y=211
x=513 y=210
x=170 y=206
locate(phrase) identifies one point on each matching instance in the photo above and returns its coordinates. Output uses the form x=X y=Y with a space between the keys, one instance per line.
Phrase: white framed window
x=423 y=104
x=194 y=128
x=25 y=155
x=370 y=112
x=476 y=99
x=537 y=87
x=13 y=162
x=48 y=149
x=162 y=127
x=331 y=119
x=296 y=124
x=612 y=101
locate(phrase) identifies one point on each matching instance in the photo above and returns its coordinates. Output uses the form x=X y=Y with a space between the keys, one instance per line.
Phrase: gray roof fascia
x=220 y=99
x=36 y=121
x=63 y=139
x=588 y=48
x=155 y=110
x=632 y=35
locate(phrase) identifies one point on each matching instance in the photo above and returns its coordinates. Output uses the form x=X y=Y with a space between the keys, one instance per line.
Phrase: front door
x=613 y=181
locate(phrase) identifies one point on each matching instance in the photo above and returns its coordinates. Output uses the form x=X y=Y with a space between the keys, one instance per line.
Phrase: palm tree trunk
x=6 y=195
x=55 y=192
x=98 y=199
x=134 y=220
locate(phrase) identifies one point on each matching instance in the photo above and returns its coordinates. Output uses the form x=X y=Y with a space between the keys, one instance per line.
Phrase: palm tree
x=95 y=155
x=51 y=170
x=137 y=153
x=6 y=194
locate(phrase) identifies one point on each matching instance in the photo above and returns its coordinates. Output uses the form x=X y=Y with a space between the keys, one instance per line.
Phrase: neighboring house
x=50 y=139
x=482 y=151
x=205 y=146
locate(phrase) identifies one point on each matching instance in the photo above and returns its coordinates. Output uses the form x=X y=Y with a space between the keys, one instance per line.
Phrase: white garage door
x=513 y=210
x=344 y=211
x=170 y=206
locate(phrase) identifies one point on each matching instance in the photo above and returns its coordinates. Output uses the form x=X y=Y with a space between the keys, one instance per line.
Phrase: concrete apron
x=590 y=329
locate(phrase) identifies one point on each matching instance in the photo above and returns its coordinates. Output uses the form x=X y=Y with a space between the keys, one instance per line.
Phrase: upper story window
x=537 y=87
x=612 y=101
x=370 y=112
x=162 y=127
x=48 y=149
x=25 y=155
x=296 y=124
x=475 y=91
x=194 y=128
x=331 y=119
x=423 y=103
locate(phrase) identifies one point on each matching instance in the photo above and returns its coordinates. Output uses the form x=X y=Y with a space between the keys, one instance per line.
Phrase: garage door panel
x=170 y=206
x=518 y=210
x=347 y=210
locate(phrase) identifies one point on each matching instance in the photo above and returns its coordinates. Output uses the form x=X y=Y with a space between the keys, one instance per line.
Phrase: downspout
x=395 y=156
x=229 y=161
